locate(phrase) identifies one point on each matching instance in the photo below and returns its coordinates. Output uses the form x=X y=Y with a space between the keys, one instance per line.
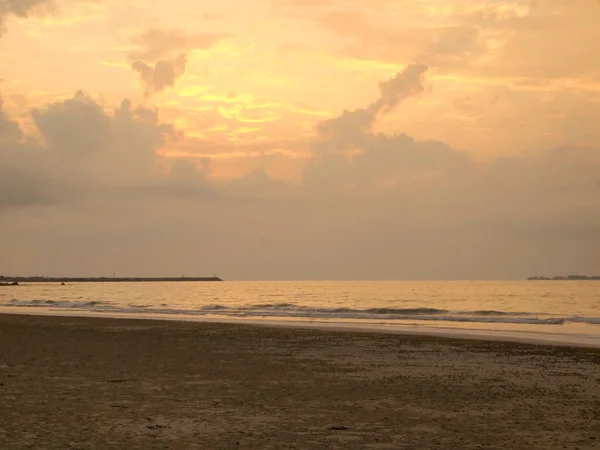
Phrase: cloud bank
x=88 y=190
x=369 y=205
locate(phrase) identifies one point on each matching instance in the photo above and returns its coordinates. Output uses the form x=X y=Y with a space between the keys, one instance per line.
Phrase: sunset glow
x=351 y=128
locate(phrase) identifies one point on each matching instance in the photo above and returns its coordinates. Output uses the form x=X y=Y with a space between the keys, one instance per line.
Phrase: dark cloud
x=379 y=206
x=345 y=131
x=23 y=187
x=162 y=55
x=75 y=127
x=383 y=163
x=405 y=84
x=348 y=130
x=164 y=74
x=413 y=199
x=84 y=151
x=184 y=169
x=21 y=8
x=9 y=129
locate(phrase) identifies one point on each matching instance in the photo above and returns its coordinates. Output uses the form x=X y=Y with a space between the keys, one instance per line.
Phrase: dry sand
x=68 y=383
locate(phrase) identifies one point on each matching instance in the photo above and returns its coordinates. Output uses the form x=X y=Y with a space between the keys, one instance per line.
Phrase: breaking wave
x=290 y=310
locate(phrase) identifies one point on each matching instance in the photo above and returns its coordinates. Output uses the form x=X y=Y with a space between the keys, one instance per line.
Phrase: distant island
x=567 y=278
x=14 y=281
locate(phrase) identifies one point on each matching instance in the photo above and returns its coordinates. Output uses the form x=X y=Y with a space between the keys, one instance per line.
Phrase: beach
x=87 y=383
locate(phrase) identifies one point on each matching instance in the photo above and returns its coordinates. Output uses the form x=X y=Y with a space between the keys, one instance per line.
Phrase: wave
x=290 y=310
x=589 y=320
x=54 y=303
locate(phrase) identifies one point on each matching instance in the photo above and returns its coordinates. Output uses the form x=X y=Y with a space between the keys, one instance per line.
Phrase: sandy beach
x=79 y=383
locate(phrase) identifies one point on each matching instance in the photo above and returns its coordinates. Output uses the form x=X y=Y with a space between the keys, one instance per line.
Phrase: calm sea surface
x=565 y=311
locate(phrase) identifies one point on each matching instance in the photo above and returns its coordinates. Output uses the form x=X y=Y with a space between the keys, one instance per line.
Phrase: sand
x=88 y=383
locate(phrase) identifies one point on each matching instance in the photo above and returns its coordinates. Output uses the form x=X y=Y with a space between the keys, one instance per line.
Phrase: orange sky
x=468 y=103
x=261 y=74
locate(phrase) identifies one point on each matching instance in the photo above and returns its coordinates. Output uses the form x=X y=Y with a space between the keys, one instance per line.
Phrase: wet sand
x=89 y=383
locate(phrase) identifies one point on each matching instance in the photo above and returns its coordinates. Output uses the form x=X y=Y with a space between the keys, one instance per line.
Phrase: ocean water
x=552 y=311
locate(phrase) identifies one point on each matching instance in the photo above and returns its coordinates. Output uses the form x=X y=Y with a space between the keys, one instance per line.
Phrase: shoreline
x=73 y=382
x=452 y=333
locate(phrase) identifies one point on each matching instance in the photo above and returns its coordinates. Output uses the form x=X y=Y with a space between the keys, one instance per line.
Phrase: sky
x=300 y=139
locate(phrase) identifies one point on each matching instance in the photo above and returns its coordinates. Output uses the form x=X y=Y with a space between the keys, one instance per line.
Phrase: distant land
x=12 y=281
x=567 y=278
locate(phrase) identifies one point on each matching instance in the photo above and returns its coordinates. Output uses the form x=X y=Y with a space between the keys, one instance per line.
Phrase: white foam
x=291 y=311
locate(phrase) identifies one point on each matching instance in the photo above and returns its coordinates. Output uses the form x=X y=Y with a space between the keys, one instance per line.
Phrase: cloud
x=156 y=44
x=437 y=44
x=369 y=204
x=74 y=128
x=520 y=38
x=19 y=8
x=413 y=199
x=348 y=129
x=9 y=129
x=162 y=56
x=83 y=150
x=382 y=165
x=164 y=74
x=455 y=46
x=406 y=84
x=92 y=190
x=375 y=159
x=538 y=40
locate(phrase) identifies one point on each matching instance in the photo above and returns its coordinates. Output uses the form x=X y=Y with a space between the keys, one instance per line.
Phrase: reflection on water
x=543 y=307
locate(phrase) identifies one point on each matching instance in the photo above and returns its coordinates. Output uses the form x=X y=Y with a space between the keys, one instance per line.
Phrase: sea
x=555 y=312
